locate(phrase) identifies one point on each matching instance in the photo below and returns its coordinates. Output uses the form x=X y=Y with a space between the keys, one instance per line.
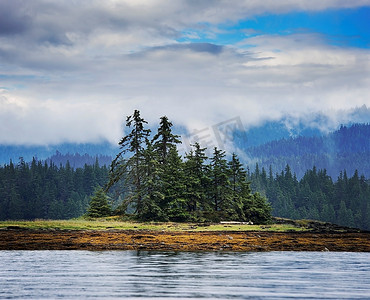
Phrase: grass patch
x=114 y=223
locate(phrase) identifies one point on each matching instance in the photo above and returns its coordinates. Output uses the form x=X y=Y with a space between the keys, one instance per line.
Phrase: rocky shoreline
x=51 y=239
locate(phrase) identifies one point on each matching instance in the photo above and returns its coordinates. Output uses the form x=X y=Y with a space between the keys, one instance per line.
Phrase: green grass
x=115 y=223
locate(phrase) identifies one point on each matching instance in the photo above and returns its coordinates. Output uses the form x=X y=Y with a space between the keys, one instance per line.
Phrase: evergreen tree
x=239 y=186
x=257 y=209
x=152 y=196
x=164 y=140
x=219 y=181
x=99 y=206
x=131 y=169
x=174 y=186
x=41 y=190
x=169 y=171
x=197 y=179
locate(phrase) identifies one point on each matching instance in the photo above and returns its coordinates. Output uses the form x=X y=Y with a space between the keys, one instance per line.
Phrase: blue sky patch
x=344 y=27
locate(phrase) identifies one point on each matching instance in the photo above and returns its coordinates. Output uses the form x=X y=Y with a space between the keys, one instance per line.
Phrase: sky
x=71 y=71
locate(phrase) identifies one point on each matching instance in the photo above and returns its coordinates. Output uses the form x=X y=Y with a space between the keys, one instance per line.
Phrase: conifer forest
x=149 y=180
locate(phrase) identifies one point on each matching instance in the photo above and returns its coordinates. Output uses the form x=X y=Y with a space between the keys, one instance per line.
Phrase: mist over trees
x=347 y=148
x=77 y=160
x=150 y=180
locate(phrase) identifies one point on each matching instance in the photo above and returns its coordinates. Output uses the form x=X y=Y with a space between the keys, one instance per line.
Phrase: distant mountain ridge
x=310 y=125
x=85 y=153
x=79 y=161
x=355 y=138
x=298 y=141
x=345 y=149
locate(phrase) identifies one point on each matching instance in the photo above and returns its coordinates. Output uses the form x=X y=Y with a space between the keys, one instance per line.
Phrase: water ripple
x=138 y=274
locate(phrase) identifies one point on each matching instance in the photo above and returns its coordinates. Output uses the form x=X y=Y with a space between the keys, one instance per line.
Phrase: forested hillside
x=52 y=152
x=77 y=160
x=37 y=190
x=344 y=201
x=348 y=148
x=42 y=190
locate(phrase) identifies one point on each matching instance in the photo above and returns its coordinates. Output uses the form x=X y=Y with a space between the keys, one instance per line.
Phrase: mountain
x=345 y=149
x=297 y=140
x=85 y=153
x=306 y=125
x=79 y=161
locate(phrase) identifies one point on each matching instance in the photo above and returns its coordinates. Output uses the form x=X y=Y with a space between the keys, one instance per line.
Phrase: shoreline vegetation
x=114 y=234
x=121 y=223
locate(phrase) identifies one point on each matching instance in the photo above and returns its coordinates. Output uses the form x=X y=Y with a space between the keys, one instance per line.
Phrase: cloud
x=48 y=122
x=72 y=71
x=13 y=20
x=43 y=23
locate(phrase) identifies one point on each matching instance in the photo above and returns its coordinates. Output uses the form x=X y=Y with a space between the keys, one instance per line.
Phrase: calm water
x=132 y=274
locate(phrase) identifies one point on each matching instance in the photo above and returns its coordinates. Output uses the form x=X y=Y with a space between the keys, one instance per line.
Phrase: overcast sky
x=70 y=71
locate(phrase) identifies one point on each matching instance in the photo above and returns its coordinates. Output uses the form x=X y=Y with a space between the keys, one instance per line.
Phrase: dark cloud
x=195 y=47
x=14 y=19
x=206 y=47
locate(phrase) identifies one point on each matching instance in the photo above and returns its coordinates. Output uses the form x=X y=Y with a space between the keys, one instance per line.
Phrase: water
x=132 y=274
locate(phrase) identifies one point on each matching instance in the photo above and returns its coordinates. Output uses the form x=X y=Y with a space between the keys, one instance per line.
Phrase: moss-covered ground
x=117 y=224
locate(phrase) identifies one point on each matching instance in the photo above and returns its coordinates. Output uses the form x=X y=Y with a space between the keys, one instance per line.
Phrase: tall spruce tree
x=131 y=168
x=197 y=179
x=152 y=195
x=165 y=151
x=164 y=140
x=239 y=186
x=219 y=181
x=174 y=185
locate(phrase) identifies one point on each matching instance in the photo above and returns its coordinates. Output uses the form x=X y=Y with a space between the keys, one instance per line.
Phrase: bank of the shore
x=29 y=239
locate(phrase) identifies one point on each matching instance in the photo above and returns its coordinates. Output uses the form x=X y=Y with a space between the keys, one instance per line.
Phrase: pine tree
x=174 y=185
x=152 y=195
x=164 y=140
x=196 y=179
x=99 y=206
x=257 y=209
x=219 y=181
x=169 y=171
x=239 y=186
x=131 y=169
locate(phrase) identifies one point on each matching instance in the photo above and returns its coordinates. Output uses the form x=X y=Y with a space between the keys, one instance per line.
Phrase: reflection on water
x=131 y=274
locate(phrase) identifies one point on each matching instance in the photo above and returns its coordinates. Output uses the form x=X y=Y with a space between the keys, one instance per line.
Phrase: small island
x=155 y=199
